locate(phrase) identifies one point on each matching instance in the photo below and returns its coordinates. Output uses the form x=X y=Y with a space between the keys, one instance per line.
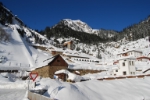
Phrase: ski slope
x=16 y=52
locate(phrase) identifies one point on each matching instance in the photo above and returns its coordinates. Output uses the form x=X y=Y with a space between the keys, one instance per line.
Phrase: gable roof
x=56 y=57
x=49 y=61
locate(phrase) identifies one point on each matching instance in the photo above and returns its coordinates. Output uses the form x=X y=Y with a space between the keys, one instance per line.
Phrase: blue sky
x=106 y=14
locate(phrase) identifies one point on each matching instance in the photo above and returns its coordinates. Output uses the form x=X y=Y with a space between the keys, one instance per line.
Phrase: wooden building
x=69 y=45
x=57 y=63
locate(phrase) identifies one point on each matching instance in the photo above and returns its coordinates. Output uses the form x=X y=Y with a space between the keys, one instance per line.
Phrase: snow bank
x=121 y=89
x=7 y=83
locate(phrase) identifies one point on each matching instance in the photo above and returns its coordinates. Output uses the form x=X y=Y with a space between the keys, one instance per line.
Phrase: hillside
x=100 y=44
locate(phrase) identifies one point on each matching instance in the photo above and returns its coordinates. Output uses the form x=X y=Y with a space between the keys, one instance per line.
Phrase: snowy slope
x=18 y=52
x=15 y=50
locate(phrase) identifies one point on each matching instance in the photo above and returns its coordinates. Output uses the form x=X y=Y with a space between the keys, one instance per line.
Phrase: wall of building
x=131 y=66
x=42 y=71
x=128 y=67
x=48 y=71
x=123 y=68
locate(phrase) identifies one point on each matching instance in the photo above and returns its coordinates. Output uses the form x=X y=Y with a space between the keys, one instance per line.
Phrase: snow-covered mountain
x=78 y=25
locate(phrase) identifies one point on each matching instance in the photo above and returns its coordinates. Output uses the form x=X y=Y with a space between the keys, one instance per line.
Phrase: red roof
x=143 y=57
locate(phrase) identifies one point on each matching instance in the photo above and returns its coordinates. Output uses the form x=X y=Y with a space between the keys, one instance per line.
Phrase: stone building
x=56 y=63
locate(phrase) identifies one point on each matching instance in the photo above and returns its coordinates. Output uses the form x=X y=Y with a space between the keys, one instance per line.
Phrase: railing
x=11 y=64
x=35 y=96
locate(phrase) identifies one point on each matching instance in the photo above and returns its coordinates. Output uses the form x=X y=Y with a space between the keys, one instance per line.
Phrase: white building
x=126 y=66
x=126 y=62
x=131 y=53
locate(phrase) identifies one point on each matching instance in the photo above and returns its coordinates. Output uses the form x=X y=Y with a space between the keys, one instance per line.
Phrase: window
x=58 y=60
x=131 y=72
x=132 y=63
x=124 y=73
x=116 y=70
x=123 y=64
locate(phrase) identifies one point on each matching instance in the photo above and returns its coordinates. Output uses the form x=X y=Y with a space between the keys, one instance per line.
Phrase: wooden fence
x=35 y=96
x=124 y=77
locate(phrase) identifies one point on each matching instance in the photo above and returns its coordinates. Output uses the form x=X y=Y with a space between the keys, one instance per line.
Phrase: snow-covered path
x=12 y=94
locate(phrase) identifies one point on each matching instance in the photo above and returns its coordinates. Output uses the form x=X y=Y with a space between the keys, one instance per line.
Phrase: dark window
x=116 y=70
x=58 y=60
x=124 y=73
x=123 y=64
x=132 y=63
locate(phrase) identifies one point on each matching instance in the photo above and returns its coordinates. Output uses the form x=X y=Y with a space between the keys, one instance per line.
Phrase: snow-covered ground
x=10 y=90
x=121 y=89
x=13 y=94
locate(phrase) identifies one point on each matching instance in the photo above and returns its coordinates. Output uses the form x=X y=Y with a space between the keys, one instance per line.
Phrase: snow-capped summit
x=78 y=25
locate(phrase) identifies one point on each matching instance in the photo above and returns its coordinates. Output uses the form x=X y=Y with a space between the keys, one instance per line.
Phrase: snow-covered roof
x=129 y=51
x=76 y=54
x=71 y=76
x=62 y=71
x=47 y=61
x=143 y=57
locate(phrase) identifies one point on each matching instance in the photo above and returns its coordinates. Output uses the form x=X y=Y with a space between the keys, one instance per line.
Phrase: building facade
x=133 y=53
x=125 y=67
x=54 y=65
